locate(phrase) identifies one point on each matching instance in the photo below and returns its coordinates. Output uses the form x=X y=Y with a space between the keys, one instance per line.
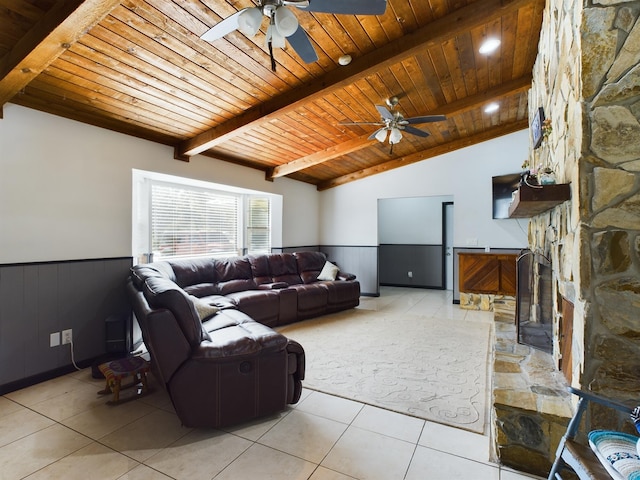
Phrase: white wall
x=414 y=220
x=349 y=213
x=65 y=188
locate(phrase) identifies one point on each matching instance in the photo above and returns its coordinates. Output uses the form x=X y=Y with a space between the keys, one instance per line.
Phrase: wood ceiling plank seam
x=524 y=29
x=510 y=37
x=158 y=52
x=467 y=55
x=523 y=106
x=61 y=27
x=442 y=73
x=454 y=70
x=439 y=8
x=236 y=61
x=68 y=111
x=420 y=96
x=109 y=95
x=53 y=98
x=326 y=112
x=111 y=106
x=297 y=121
x=422 y=12
x=140 y=81
x=105 y=53
x=494 y=29
x=136 y=88
x=148 y=62
x=376 y=91
x=352 y=101
x=421 y=156
x=464 y=18
x=285 y=141
x=478 y=36
x=425 y=61
x=332 y=132
x=361 y=41
x=372 y=24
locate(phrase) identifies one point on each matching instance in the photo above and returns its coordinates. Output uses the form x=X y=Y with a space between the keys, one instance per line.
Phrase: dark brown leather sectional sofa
x=229 y=366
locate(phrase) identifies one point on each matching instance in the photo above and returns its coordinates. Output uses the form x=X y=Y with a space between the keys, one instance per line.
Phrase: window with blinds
x=192 y=222
x=258 y=225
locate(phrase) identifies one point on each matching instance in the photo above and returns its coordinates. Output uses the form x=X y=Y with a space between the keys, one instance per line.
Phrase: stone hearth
x=530 y=404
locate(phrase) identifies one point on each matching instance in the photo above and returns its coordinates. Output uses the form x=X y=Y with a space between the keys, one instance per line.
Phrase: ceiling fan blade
x=223 y=27
x=425 y=119
x=384 y=112
x=415 y=131
x=300 y=42
x=348 y=7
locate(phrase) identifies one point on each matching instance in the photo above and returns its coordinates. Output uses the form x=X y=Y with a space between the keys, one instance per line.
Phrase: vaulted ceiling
x=140 y=67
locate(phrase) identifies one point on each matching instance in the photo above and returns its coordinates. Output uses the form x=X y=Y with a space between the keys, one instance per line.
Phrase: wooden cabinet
x=492 y=273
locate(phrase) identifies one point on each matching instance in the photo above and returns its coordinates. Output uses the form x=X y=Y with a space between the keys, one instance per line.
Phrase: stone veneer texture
x=587 y=78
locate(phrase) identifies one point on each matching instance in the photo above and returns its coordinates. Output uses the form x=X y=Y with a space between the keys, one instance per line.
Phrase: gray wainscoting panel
x=359 y=260
x=37 y=299
x=423 y=261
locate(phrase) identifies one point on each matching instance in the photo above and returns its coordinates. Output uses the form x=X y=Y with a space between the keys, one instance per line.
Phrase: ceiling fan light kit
x=284 y=24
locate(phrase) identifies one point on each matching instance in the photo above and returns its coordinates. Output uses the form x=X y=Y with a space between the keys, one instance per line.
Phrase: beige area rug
x=422 y=366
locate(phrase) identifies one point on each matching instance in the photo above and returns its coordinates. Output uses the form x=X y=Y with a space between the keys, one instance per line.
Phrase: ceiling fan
x=284 y=24
x=394 y=123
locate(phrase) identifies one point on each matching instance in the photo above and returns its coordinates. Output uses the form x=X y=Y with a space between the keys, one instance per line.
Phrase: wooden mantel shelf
x=531 y=201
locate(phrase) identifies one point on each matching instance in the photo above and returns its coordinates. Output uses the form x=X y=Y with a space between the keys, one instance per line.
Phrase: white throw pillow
x=329 y=272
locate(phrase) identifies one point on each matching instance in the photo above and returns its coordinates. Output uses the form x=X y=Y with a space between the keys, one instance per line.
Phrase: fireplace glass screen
x=534 y=309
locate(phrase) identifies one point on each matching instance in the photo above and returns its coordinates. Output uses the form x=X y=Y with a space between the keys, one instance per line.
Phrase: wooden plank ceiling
x=139 y=67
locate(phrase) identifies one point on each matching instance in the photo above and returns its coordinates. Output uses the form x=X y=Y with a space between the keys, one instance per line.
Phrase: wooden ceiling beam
x=445 y=28
x=425 y=154
x=454 y=108
x=61 y=27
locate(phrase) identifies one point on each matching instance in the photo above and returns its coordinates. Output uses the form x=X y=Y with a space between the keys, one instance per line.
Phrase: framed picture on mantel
x=536 y=127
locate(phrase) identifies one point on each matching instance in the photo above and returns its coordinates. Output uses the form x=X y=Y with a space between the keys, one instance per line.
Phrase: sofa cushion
x=329 y=272
x=139 y=273
x=202 y=289
x=260 y=269
x=234 y=275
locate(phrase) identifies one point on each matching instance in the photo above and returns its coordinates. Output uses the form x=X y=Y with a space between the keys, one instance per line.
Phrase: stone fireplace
x=587 y=80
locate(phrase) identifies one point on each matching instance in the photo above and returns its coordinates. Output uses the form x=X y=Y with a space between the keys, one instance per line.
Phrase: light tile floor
x=62 y=429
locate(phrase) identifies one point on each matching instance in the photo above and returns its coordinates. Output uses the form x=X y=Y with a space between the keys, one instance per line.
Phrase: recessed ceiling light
x=489 y=45
x=492 y=107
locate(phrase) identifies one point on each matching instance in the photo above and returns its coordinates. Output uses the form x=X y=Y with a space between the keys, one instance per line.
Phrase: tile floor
x=63 y=429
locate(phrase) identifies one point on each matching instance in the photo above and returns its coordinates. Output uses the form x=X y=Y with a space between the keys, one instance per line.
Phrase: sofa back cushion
x=234 y=275
x=163 y=293
x=193 y=271
x=260 y=269
x=310 y=265
x=284 y=268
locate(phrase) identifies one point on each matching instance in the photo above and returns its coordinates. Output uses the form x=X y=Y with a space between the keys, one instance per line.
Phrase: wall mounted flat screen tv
x=503 y=188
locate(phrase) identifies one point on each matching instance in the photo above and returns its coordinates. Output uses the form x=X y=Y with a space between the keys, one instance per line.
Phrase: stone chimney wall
x=587 y=79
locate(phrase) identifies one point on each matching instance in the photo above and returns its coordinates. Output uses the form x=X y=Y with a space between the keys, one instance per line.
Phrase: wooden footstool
x=115 y=370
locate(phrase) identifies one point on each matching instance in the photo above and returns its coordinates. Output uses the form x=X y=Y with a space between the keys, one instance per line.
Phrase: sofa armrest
x=273 y=286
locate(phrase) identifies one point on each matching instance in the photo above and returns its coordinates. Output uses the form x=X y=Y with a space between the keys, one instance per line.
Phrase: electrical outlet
x=410 y=274
x=66 y=336
x=54 y=339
